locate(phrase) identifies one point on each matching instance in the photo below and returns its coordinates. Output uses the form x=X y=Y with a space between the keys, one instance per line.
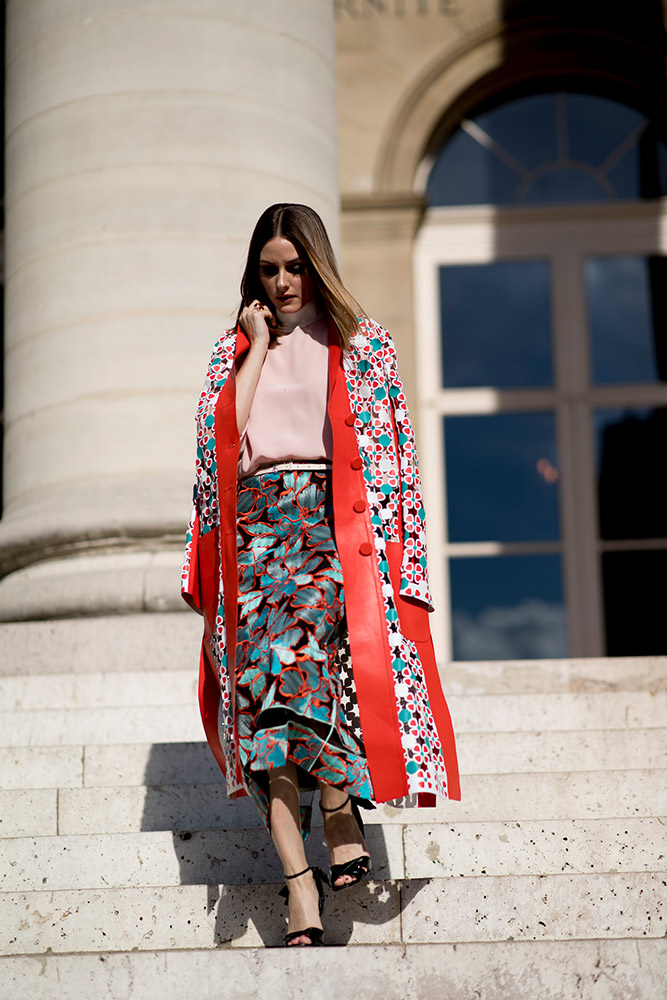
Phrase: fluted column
x=144 y=137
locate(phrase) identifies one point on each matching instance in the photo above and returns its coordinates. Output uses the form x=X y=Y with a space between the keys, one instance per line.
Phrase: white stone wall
x=144 y=137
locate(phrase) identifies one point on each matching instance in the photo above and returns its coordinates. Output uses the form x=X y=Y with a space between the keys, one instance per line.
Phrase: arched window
x=548 y=149
x=541 y=290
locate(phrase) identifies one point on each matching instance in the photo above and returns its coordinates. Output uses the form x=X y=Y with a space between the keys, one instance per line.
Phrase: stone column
x=144 y=138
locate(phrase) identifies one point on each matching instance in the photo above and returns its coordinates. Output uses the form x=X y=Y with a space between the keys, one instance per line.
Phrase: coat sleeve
x=414 y=575
x=205 y=512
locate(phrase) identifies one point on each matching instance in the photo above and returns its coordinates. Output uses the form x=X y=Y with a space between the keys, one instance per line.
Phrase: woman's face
x=284 y=275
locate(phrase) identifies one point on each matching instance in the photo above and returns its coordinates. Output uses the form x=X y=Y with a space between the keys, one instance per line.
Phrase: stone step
x=32 y=813
x=162 y=858
x=140 y=721
x=535 y=847
x=170 y=641
x=76 y=726
x=505 y=970
x=148 y=642
x=97 y=690
x=43 y=767
x=479 y=753
x=630 y=673
x=585 y=795
x=129 y=809
x=416 y=911
x=107 y=689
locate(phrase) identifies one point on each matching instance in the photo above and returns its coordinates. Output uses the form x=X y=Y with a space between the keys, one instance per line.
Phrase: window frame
x=565 y=235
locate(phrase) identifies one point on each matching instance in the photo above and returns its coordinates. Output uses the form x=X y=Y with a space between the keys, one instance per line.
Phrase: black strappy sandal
x=314 y=934
x=358 y=868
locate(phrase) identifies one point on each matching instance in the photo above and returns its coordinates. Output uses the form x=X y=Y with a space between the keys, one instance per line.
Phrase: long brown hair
x=303 y=227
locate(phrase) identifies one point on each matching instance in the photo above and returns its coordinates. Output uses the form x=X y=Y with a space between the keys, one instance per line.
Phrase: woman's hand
x=255 y=320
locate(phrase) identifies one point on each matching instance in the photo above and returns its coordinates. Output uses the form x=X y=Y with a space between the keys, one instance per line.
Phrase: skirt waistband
x=289 y=467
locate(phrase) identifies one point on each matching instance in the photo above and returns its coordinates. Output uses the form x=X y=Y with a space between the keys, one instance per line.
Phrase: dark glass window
x=550 y=148
x=634 y=602
x=496 y=324
x=632 y=487
x=502 y=477
x=507 y=607
x=627 y=300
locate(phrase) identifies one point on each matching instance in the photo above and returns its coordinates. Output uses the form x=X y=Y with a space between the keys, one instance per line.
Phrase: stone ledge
x=628 y=673
x=146 y=642
x=41 y=767
x=428 y=911
x=583 y=796
x=97 y=690
x=161 y=858
x=538 y=847
x=139 y=580
x=144 y=719
x=29 y=813
x=509 y=970
x=77 y=726
x=107 y=687
x=431 y=850
x=170 y=641
x=479 y=753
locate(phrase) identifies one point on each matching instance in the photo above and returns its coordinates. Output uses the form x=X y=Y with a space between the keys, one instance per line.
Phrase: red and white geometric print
x=392 y=486
x=378 y=399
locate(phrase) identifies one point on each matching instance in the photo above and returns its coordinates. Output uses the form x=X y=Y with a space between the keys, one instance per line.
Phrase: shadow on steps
x=223 y=845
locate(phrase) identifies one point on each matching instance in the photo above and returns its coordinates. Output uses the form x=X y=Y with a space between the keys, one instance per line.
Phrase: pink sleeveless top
x=288 y=419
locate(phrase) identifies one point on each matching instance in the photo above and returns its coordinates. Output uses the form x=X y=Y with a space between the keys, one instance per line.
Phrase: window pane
x=502 y=478
x=465 y=174
x=508 y=607
x=632 y=488
x=525 y=128
x=596 y=127
x=627 y=309
x=565 y=185
x=634 y=599
x=496 y=324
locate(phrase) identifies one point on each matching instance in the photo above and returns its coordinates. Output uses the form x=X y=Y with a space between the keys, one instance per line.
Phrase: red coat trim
x=364 y=607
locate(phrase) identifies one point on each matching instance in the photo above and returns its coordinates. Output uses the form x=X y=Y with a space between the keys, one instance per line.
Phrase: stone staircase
x=127 y=874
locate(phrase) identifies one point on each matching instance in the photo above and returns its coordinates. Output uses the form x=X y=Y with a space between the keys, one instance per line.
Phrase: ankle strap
x=297 y=874
x=342 y=806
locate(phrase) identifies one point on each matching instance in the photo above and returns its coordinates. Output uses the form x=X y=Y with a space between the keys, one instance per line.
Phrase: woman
x=306 y=557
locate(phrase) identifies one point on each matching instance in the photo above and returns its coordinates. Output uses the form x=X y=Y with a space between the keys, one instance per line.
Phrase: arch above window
x=550 y=148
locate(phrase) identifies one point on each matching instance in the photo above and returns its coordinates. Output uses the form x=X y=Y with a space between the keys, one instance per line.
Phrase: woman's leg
x=285 y=819
x=345 y=839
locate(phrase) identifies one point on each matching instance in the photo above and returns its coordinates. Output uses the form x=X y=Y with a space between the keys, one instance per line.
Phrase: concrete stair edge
x=188 y=806
x=628 y=969
x=148 y=764
x=412 y=911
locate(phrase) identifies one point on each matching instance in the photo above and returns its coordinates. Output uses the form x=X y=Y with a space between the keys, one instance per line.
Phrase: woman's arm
x=254 y=322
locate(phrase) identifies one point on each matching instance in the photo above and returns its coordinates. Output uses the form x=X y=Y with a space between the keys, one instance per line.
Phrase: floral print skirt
x=291 y=617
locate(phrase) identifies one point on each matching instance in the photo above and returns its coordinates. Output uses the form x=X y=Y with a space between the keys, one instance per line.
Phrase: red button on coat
x=356 y=463
x=349 y=419
x=365 y=548
x=359 y=506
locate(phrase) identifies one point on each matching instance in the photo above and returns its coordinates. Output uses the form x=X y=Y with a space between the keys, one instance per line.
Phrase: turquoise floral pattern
x=291 y=606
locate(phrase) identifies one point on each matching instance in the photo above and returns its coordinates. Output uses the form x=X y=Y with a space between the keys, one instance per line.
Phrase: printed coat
x=380 y=536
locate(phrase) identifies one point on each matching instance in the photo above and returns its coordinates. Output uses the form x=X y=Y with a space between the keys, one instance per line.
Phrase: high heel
x=314 y=934
x=358 y=868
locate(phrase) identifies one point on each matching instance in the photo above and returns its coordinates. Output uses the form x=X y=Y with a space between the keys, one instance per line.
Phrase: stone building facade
x=500 y=169
x=503 y=173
